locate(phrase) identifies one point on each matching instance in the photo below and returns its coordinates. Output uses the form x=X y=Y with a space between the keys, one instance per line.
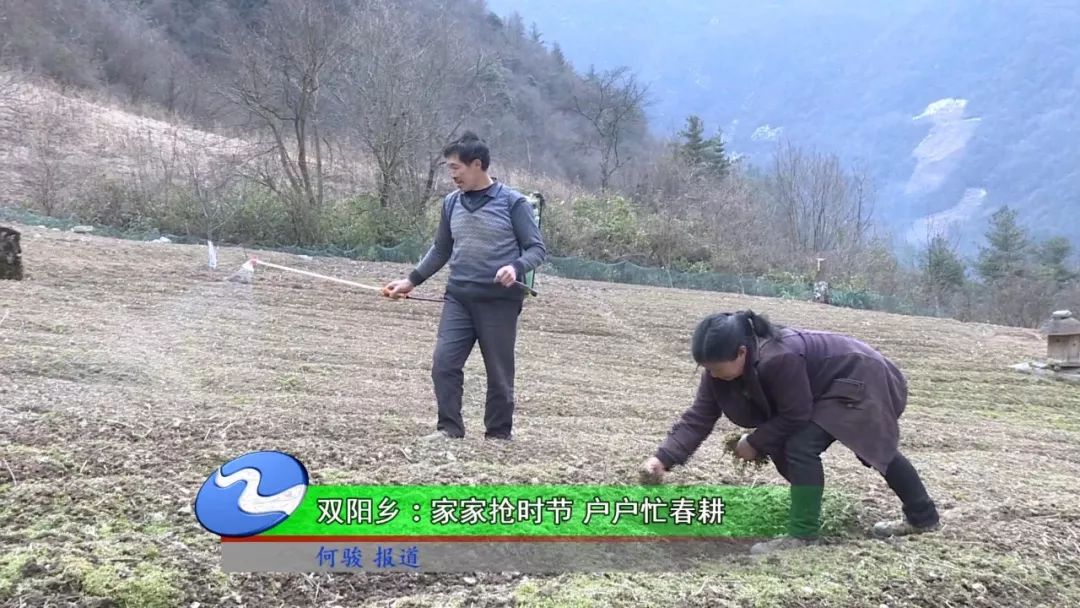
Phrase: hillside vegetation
x=319 y=124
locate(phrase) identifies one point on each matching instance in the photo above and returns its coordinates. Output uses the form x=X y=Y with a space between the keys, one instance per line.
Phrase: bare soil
x=129 y=371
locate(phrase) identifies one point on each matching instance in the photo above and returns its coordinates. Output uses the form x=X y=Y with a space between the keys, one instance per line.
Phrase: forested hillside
x=955 y=108
x=444 y=63
x=319 y=123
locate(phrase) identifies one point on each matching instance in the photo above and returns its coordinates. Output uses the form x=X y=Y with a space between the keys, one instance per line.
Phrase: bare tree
x=8 y=93
x=612 y=103
x=864 y=194
x=286 y=62
x=8 y=82
x=410 y=90
x=821 y=207
x=211 y=184
x=46 y=130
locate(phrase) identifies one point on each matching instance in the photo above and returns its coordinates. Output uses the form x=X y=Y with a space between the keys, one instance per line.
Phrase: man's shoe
x=499 y=437
x=438 y=435
x=902 y=527
x=784 y=543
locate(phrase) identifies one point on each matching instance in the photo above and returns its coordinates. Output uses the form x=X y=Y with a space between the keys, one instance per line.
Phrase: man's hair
x=469 y=147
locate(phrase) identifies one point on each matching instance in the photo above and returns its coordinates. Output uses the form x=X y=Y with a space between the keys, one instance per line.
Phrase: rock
x=162 y=239
x=184 y=510
x=82 y=229
x=469 y=580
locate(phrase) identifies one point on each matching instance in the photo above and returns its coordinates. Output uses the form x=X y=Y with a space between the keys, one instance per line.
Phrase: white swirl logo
x=251 y=502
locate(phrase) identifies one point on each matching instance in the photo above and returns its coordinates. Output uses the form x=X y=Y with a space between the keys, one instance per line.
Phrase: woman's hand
x=745 y=451
x=652 y=472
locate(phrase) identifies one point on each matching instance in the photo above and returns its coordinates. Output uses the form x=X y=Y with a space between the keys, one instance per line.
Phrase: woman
x=801 y=390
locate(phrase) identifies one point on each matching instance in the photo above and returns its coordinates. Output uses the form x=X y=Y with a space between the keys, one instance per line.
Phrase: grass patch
x=42 y=569
x=290 y=384
x=336 y=476
x=145 y=586
x=11 y=565
x=864 y=574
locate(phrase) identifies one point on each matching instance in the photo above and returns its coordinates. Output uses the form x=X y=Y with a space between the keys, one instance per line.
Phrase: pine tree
x=535 y=35
x=557 y=55
x=943 y=270
x=515 y=28
x=693 y=147
x=706 y=155
x=1008 y=250
x=717 y=160
x=1052 y=258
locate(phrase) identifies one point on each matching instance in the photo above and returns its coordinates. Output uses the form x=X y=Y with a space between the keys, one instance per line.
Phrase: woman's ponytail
x=757 y=325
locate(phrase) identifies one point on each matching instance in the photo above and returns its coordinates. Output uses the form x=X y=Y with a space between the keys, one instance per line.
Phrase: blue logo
x=251 y=494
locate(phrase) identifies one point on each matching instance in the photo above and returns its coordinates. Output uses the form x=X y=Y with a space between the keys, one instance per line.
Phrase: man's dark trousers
x=464 y=322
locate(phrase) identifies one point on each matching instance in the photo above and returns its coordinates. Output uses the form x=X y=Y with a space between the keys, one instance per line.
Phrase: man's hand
x=651 y=472
x=506 y=276
x=745 y=451
x=398 y=289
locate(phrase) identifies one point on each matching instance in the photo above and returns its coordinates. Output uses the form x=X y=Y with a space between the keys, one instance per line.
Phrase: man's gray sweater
x=479 y=233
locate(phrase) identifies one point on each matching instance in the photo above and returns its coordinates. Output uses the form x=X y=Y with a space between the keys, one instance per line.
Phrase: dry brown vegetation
x=129 y=371
x=59 y=148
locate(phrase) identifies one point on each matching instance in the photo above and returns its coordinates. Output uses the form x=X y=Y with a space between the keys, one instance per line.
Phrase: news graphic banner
x=279 y=523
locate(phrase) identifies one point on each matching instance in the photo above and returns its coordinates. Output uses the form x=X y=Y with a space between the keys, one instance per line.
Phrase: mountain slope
x=941 y=102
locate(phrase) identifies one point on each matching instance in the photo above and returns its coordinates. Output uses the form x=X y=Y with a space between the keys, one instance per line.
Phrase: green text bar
x=547 y=510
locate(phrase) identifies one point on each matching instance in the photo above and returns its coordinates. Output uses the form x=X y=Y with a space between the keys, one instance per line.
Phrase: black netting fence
x=628 y=272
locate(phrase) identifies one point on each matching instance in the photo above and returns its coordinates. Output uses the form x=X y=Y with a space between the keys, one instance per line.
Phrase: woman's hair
x=719 y=336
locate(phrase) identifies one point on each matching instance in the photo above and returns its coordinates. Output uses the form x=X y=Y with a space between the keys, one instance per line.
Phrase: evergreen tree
x=1052 y=258
x=515 y=28
x=1008 y=250
x=716 y=159
x=693 y=147
x=706 y=155
x=557 y=55
x=943 y=270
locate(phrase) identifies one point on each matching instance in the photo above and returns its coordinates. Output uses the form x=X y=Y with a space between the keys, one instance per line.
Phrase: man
x=488 y=235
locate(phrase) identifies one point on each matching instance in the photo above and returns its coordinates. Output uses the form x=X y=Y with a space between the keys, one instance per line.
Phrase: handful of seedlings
x=730 y=441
